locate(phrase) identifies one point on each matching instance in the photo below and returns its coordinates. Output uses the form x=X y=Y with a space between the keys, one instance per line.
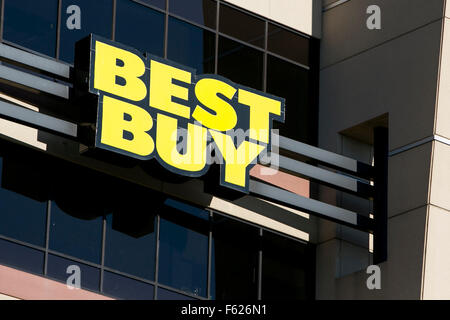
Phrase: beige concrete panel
x=443 y=105
x=401 y=275
x=391 y=78
x=437 y=260
x=409 y=175
x=440 y=176
x=348 y=21
x=5 y=297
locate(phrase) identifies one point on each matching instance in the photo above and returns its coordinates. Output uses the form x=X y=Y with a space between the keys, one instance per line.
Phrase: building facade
x=130 y=229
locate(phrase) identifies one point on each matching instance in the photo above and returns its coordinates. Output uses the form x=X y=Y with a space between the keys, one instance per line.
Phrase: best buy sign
x=145 y=102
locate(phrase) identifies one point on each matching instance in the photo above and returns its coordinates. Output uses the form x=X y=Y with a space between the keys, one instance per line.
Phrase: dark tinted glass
x=77 y=237
x=57 y=269
x=234 y=260
x=200 y=11
x=183 y=259
x=164 y=294
x=292 y=83
x=157 y=3
x=288 y=44
x=140 y=27
x=21 y=257
x=287 y=269
x=21 y=217
x=126 y=288
x=95 y=17
x=240 y=63
x=242 y=26
x=131 y=253
x=186 y=208
x=32 y=24
x=191 y=46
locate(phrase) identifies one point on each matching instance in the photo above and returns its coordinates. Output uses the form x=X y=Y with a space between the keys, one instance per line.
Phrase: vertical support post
x=381 y=149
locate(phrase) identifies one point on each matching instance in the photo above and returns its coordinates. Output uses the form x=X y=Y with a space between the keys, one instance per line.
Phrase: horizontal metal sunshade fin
x=34 y=61
x=34 y=82
x=35 y=119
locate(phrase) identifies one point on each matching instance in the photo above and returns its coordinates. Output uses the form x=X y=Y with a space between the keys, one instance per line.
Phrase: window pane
x=74 y=236
x=281 y=257
x=200 y=11
x=126 y=288
x=288 y=44
x=157 y=3
x=234 y=260
x=140 y=27
x=24 y=258
x=57 y=269
x=133 y=254
x=292 y=83
x=183 y=260
x=240 y=63
x=191 y=46
x=21 y=217
x=32 y=24
x=241 y=26
x=164 y=294
x=95 y=17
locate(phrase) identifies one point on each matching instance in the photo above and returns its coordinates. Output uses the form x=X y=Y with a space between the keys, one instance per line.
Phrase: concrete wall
x=396 y=71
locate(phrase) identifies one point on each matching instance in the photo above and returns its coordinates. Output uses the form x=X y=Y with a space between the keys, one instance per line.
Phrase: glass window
x=191 y=46
x=24 y=258
x=94 y=17
x=288 y=44
x=157 y=3
x=126 y=288
x=282 y=257
x=200 y=11
x=140 y=27
x=240 y=63
x=132 y=253
x=183 y=260
x=164 y=294
x=241 y=26
x=57 y=269
x=77 y=237
x=234 y=260
x=292 y=83
x=21 y=217
x=32 y=24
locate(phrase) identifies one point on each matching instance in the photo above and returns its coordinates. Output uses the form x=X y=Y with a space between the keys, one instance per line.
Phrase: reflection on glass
x=164 y=294
x=241 y=64
x=292 y=83
x=157 y=3
x=32 y=24
x=200 y=11
x=126 y=288
x=242 y=26
x=130 y=254
x=183 y=260
x=288 y=44
x=74 y=236
x=95 y=17
x=233 y=260
x=57 y=269
x=140 y=27
x=24 y=258
x=285 y=266
x=22 y=218
x=191 y=46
